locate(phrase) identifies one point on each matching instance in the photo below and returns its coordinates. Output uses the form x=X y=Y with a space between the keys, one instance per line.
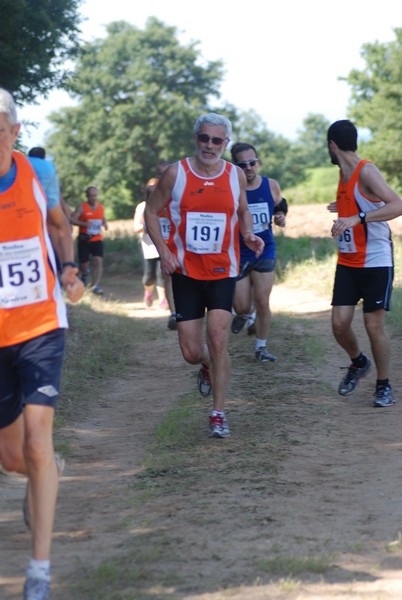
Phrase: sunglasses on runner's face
x=247 y=163
x=204 y=138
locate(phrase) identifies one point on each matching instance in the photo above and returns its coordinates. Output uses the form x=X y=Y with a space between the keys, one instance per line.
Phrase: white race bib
x=22 y=273
x=205 y=232
x=94 y=226
x=346 y=242
x=165 y=227
x=261 y=217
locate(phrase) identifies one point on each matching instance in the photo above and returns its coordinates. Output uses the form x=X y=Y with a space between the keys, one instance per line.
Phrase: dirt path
x=336 y=491
x=340 y=481
x=108 y=448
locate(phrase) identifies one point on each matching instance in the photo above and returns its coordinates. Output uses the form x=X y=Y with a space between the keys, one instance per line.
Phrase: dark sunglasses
x=247 y=163
x=204 y=138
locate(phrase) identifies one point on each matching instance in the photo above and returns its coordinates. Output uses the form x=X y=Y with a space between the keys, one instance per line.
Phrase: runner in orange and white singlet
x=93 y=215
x=365 y=266
x=367 y=244
x=27 y=263
x=33 y=321
x=207 y=207
x=204 y=234
x=90 y=217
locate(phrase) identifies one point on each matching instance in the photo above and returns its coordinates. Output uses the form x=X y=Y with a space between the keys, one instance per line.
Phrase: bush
x=319 y=188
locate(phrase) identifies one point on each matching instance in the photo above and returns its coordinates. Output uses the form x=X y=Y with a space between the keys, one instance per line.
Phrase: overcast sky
x=282 y=59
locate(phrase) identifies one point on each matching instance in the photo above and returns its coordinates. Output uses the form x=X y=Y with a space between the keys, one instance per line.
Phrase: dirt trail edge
x=335 y=493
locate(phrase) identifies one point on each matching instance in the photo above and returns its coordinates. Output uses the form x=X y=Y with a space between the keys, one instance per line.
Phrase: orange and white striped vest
x=365 y=245
x=94 y=217
x=204 y=232
x=31 y=301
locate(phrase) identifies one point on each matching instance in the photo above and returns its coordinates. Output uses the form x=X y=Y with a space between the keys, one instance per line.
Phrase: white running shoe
x=218 y=425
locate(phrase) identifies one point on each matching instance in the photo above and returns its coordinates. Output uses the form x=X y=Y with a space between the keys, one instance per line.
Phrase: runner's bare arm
x=60 y=233
x=75 y=218
x=374 y=186
x=279 y=215
x=252 y=241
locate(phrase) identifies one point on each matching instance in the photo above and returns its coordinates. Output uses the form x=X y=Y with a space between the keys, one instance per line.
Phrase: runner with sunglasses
x=206 y=204
x=256 y=278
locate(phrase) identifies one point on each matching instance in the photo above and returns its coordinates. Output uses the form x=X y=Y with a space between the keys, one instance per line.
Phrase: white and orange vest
x=365 y=245
x=94 y=217
x=204 y=233
x=31 y=301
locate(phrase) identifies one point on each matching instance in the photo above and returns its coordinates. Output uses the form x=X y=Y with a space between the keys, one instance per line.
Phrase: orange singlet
x=204 y=224
x=31 y=301
x=94 y=217
x=368 y=245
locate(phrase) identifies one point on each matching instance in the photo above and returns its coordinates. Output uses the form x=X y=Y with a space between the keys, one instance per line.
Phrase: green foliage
x=319 y=187
x=299 y=260
x=376 y=103
x=279 y=157
x=312 y=141
x=123 y=253
x=36 y=38
x=119 y=203
x=139 y=93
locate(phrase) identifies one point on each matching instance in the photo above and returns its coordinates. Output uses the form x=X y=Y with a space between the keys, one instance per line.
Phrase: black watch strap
x=69 y=264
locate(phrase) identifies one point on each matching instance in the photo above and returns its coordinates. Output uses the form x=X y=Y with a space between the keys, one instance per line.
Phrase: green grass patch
x=122 y=253
x=294 y=565
x=319 y=187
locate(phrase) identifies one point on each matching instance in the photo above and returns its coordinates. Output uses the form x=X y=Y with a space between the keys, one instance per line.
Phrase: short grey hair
x=214 y=119
x=7 y=106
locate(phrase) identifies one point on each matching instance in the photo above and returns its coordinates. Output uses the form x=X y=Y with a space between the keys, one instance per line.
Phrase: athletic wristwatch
x=69 y=264
x=362 y=216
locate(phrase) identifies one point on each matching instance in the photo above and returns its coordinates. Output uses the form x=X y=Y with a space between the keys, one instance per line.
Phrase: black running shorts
x=372 y=285
x=193 y=296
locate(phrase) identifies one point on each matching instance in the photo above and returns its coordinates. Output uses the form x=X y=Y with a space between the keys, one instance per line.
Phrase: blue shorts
x=261 y=265
x=30 y=373
x=193 y=296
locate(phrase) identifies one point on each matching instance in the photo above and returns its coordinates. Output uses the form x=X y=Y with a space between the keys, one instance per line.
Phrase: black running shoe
x=351 y=379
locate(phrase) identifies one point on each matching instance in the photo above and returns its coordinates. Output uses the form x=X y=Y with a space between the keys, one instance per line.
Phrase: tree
x=279 y=157
x=139 y=93
x=376 y=103
x=36 y=39
x=312 y=141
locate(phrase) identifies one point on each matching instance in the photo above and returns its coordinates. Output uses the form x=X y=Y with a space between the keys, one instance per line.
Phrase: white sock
x=39 y=569
x=260 y=344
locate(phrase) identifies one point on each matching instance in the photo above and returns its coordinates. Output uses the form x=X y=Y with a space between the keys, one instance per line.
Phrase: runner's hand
x=169 y=263
x=73 y=286
x=254 y=243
